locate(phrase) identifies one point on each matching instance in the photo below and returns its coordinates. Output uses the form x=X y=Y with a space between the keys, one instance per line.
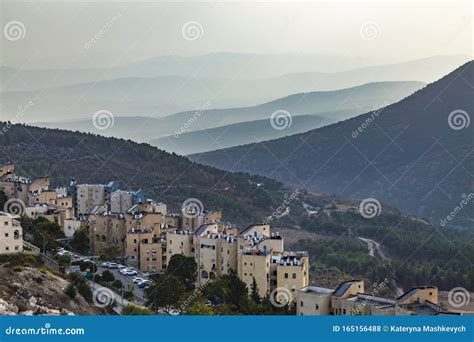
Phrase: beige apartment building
x=349 y=299
x=107 y=230
x=90 y=196
x=120 y=201
x=11 y=234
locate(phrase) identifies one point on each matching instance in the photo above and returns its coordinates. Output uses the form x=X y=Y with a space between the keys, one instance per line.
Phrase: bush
x=132 y=310
x=18 y=268
x=85 y=291
x=107 y=276
x=117 y=283
x=71 y=291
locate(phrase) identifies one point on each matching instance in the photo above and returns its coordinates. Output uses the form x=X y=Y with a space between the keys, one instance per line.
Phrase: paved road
x=126 y=280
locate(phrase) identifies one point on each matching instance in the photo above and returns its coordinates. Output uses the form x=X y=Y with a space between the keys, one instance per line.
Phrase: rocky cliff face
x=33 y=291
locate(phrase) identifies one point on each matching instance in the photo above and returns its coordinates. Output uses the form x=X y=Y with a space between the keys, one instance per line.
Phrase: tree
x=117 y=283
x=107 y=276
x=128 y=293
x=80 y=240
x=199 y=308
x=254 y=293
x=166 y=290
x=228 y=289
x=184 y=268
x=88 y=266
x=109 y=253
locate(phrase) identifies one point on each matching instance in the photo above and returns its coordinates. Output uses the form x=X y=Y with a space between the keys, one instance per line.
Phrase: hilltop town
x=128 y=230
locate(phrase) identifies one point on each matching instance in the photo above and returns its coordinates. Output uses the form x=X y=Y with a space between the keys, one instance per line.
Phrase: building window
x=286 y=275
x=294 y=275
x=301 y=303
x=316 y=306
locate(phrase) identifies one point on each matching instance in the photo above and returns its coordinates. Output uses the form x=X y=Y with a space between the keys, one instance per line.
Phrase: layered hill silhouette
x=416 y=155
x=336 y=105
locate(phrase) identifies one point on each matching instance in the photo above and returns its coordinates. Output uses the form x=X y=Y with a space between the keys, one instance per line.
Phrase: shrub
x=18 y=268
x=71 y=291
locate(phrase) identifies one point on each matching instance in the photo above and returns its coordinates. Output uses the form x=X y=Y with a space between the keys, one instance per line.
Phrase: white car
x=121 y=267
x=128 y=272
x=137 y=280
x=106 y=264
x=113 y=265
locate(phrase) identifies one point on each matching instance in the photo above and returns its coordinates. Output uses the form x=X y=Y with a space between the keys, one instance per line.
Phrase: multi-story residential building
x=192 y=222
x=120 y=201
x=214 y=252
x=107 y=230
x=292 y=271
x=152 y=254
x=179 y=242
x=11 y=234
x=90 y=196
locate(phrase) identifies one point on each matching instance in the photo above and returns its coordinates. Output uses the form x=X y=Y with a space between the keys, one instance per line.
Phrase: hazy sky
x=61 y=34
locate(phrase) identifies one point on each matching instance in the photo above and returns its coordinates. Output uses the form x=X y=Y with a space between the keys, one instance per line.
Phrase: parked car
x=113 y=265
x=137 y=280
x=129 y=272
x=106 y=264
x=121 y=267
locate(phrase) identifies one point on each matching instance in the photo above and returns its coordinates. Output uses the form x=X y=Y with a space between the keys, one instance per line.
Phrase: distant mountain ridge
x=159 y=87
x=414 y=155
x=234 y=135
x=335 y=105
